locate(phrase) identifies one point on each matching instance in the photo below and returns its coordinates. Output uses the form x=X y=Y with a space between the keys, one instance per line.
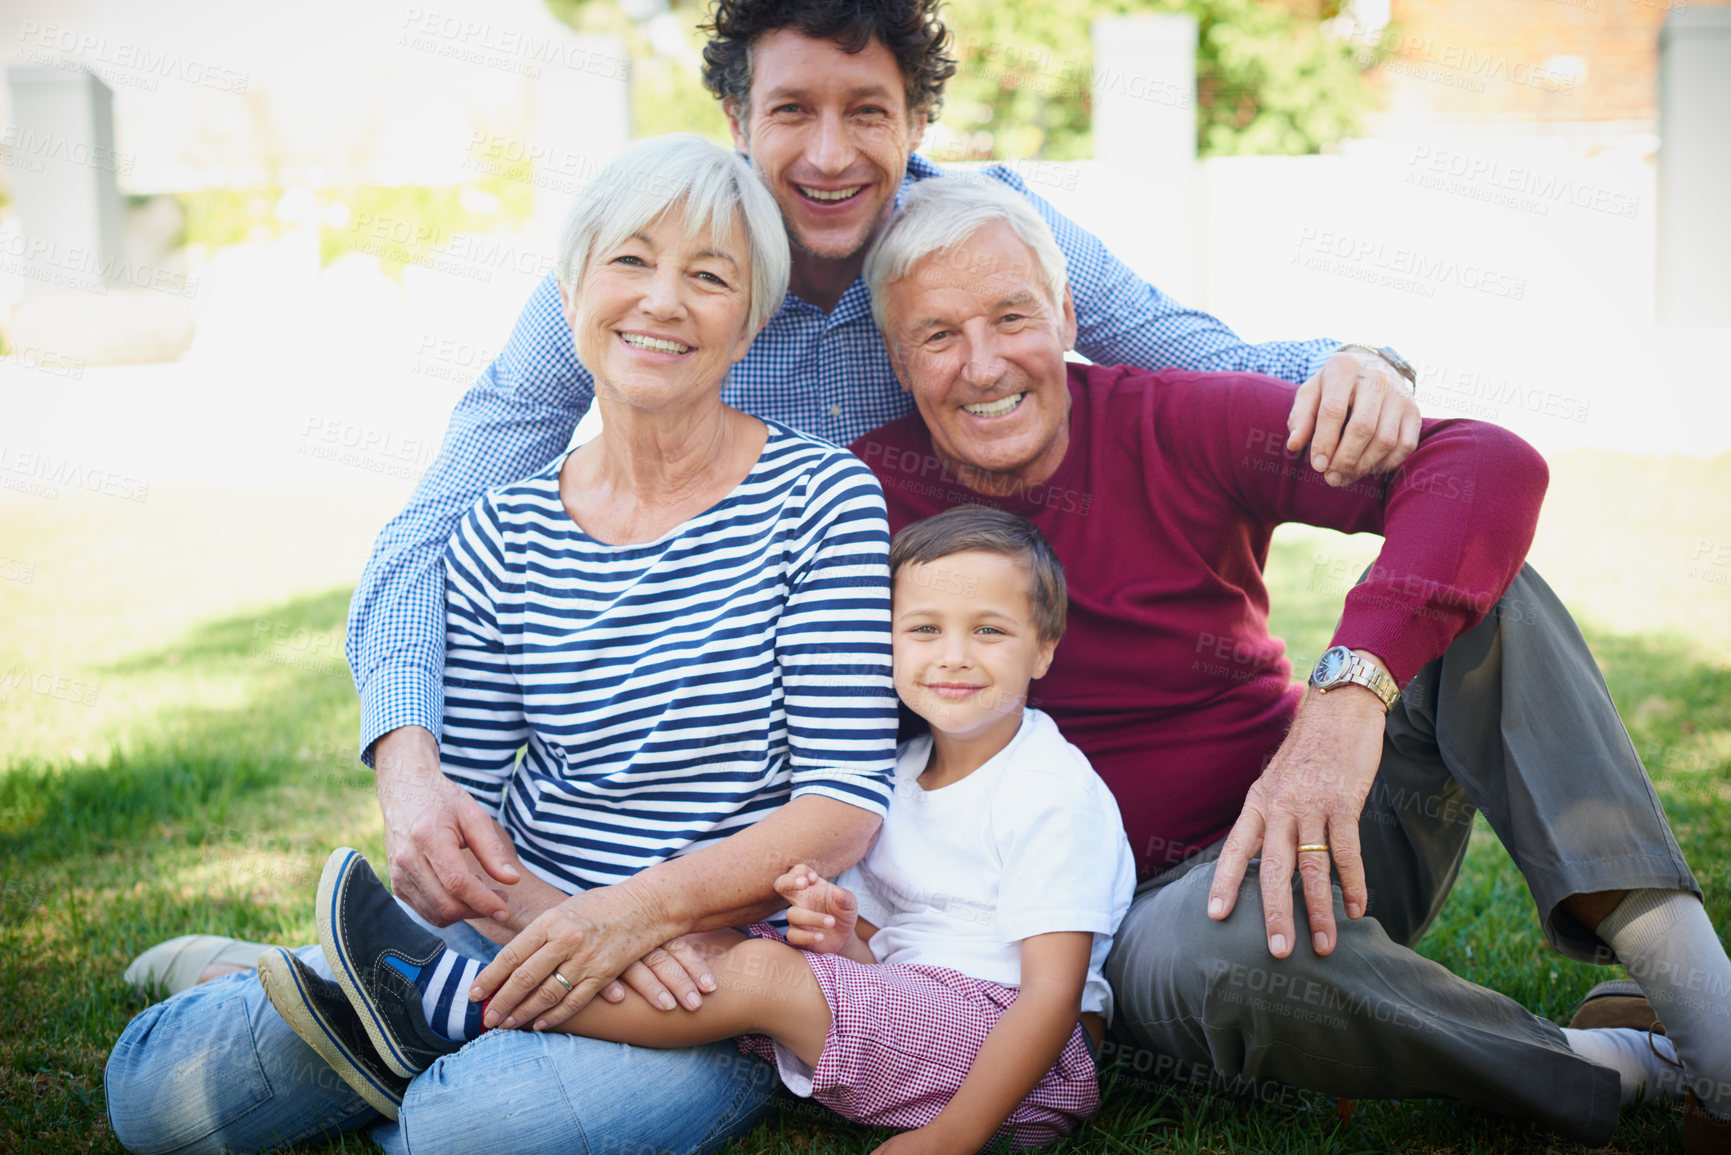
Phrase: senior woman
x=683 y=627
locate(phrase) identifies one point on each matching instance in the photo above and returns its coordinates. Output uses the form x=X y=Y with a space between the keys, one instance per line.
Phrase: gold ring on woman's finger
x=563 y=981
x=1307 y=848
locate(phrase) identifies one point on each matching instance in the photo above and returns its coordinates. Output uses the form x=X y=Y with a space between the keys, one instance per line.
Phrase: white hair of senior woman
x=938 y=216
x=710 y=185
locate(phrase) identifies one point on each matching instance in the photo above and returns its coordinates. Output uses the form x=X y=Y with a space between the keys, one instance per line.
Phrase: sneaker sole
x=173 y=966
x=283 y=985
x=336 y=870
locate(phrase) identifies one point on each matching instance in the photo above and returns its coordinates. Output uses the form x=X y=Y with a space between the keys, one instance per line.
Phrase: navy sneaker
x=319 y=1013
x=376 y=951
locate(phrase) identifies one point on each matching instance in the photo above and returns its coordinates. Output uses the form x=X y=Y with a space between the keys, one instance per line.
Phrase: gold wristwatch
x=1339 y=666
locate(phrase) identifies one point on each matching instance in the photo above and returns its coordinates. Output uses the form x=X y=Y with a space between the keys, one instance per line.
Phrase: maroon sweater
x=1161 y=512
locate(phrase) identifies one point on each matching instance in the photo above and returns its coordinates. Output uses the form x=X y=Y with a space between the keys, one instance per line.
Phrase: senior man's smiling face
x=977 y=339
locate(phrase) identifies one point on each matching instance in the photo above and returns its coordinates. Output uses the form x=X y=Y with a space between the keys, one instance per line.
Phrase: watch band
x=1339 y=666
x=1395 y=361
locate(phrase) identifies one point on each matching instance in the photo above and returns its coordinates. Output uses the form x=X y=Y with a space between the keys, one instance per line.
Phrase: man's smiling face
x=975 y=336
x=830 y=134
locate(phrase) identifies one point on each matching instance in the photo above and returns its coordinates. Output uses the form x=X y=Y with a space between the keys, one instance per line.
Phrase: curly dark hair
x=910 y=29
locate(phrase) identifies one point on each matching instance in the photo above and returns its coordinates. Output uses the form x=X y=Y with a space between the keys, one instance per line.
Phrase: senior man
x=828 y=99
x=1160 y=492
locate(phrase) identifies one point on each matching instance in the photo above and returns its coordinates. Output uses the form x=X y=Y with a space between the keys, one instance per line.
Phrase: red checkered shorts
x=902 y=1037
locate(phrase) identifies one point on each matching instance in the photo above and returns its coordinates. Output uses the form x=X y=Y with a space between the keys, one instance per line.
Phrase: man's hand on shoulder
x=1311 y=795
x=429 y=822
x=1358 y=416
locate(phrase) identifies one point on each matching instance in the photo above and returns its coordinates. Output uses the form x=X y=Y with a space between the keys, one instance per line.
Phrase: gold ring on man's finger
x=1309 y=848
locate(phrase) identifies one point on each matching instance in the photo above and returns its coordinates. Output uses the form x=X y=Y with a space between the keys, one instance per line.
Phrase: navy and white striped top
x=668 y=693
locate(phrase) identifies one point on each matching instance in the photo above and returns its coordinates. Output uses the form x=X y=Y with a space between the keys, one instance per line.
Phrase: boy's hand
x=821 y=915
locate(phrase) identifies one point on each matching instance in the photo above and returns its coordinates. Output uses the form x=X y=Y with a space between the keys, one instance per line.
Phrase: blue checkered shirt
x=823 y=374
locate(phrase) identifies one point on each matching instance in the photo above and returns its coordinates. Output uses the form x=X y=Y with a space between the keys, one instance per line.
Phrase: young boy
x=954 y=985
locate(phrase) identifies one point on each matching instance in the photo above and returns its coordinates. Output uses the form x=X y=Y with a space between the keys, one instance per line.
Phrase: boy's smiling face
x=965 y=643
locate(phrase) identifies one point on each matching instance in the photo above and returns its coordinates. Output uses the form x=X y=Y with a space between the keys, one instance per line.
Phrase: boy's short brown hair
x=971 y=527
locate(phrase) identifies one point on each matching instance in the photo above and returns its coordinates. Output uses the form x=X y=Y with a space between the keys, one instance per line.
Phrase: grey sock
x=1640 y=1060
x=1669 y=947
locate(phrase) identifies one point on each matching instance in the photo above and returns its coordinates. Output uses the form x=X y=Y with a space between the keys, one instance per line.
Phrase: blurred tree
x=1270 y=77
x=667 y=93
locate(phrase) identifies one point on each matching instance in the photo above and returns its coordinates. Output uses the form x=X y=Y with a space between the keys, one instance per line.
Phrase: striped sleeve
x=833 y=639
x=484 y=725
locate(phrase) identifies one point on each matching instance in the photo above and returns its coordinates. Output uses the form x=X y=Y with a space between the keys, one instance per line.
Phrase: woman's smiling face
x=659 y=317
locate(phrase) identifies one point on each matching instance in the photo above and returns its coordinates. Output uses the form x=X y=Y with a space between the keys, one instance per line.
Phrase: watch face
x=1332 y=668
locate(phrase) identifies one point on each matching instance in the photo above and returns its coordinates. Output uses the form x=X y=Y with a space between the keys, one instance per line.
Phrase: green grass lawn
x=176 y=755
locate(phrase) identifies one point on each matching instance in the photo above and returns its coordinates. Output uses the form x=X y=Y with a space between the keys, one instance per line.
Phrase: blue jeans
x=215 y=1068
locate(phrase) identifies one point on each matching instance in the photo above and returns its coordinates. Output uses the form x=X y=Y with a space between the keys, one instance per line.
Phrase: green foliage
x=667 y=93
x=407 y=224
x=1269 y=79
x=399 y=224
x=1271 y=83
x=219 y=217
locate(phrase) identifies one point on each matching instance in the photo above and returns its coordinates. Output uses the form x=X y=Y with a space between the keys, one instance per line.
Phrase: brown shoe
x=1703 y=1134
x=1617 y=1003
x=1620 y=1003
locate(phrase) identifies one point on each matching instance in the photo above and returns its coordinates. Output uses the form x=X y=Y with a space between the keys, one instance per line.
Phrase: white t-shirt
x=1030 y=843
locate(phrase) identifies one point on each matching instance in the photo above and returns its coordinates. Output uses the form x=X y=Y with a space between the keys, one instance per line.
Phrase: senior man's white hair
x=939 y=215
x=707 y=182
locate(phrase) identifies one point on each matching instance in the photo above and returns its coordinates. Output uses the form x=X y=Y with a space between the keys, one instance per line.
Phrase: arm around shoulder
x=516 y=418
